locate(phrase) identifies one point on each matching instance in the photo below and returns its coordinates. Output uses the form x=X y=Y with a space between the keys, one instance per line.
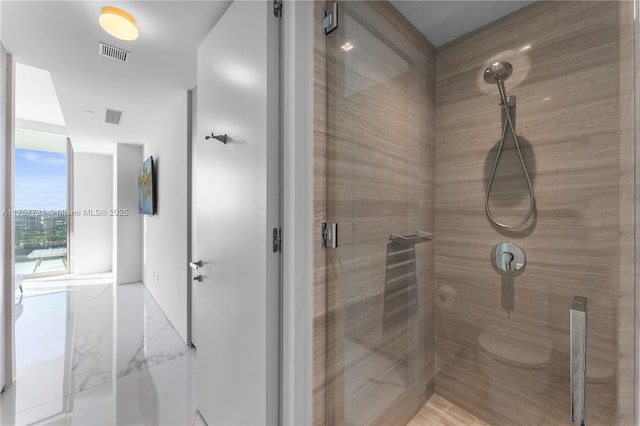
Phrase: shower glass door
x=380 y=192
x=492 y=342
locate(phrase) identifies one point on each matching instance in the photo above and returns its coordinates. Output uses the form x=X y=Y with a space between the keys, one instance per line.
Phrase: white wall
x=127 y=246
x=92 y=239
x=166 y=264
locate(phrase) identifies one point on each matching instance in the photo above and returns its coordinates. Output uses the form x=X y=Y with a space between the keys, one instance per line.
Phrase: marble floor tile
x=50 y=413
x=145 y=337
x=89 y=352
x=36 y=384
x=160 y=395
x=199 y=421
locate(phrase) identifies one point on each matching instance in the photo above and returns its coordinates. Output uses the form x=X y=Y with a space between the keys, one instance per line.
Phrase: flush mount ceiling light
x=118 y=23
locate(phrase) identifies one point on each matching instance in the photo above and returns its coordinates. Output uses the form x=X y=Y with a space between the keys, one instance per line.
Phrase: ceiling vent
x=113 y=116
x=114 y=53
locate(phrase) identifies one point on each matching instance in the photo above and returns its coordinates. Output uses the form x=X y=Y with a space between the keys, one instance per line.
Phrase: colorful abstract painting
x=146 y=204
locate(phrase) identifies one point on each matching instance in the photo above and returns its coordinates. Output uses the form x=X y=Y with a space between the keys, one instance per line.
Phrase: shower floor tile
x=439 y=412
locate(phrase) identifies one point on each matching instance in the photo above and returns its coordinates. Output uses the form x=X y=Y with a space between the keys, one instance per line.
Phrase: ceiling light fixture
x=118 y=23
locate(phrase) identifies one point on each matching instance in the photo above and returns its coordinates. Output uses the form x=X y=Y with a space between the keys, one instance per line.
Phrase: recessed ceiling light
x=118 y=23
x=347 y=46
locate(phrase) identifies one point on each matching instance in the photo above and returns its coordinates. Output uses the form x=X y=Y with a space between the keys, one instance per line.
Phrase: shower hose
x=508 y=123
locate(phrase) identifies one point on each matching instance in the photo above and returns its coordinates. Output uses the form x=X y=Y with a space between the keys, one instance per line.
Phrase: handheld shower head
x=498 y=72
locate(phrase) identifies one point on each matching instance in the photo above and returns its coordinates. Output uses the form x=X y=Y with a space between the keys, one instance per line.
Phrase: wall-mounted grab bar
x=578 y=367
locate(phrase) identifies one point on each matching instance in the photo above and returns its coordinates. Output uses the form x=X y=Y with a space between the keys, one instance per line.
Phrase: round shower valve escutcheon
x=508 y=257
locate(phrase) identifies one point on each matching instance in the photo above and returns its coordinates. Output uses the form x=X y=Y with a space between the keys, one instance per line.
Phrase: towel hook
x=221 y=138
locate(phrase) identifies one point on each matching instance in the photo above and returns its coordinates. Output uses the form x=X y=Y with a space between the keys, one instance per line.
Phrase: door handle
x=195 y=265
x=197 y=278
x=578 y=367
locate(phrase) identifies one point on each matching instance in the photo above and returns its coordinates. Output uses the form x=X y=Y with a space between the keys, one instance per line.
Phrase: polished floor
x=91 y=353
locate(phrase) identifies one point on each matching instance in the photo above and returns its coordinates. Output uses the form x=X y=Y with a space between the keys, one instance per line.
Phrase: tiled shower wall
x=566 y=80
x=572 y=70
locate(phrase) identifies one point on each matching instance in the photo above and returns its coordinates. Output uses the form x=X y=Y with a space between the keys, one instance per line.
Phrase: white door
x=237 y=203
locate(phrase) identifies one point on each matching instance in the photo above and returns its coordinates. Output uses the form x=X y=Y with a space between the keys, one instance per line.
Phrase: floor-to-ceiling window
x=40 y=217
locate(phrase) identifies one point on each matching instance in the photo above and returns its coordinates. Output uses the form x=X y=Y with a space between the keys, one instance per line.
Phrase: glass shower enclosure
x=417 y=301
x=380 y=191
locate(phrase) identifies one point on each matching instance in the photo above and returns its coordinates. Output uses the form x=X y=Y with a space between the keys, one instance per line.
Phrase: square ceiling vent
x=112 y=116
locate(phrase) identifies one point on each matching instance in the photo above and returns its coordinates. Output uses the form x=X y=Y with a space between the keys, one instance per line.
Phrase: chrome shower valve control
x=508 y=257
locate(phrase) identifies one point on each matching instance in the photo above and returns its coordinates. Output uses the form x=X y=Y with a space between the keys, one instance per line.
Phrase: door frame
x=296 y=296
x=8 y=293
x=297 y=209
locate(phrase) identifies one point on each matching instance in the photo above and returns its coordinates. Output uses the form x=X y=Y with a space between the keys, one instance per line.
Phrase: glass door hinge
x=330 y=19
x=277 y=240
x=330 y=235
x=277 y=8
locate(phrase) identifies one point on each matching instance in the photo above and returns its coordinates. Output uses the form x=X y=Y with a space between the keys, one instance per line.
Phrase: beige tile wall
x=566 y=79
x=627 y=351
x=636 y=136
x=570 y=70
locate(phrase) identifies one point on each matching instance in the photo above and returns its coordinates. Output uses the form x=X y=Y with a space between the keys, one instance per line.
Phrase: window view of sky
x=40 y=180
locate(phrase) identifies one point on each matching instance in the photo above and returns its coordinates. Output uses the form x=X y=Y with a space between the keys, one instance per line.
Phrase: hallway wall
x=92 y=239
x=165 y=269
x=127 y=246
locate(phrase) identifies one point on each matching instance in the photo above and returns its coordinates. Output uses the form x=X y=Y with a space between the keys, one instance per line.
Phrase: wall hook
x=221 y=138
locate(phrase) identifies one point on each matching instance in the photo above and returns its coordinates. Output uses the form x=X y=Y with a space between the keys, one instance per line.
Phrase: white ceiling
x=443 y=21
x=62 y=37
x=35 y=96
